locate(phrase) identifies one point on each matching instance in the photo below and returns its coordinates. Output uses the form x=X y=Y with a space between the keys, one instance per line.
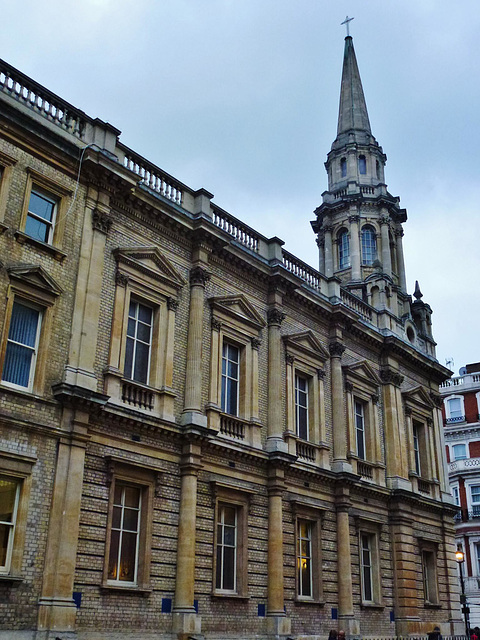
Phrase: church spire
x=352 y=113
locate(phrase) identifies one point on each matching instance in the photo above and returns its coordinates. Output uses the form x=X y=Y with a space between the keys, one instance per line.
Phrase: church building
x=202 y=436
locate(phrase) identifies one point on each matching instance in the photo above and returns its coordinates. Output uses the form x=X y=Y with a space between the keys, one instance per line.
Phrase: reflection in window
x=124 y=536
x=138 y=347
x=22 y=346
x=40 y=216
x=369 y=245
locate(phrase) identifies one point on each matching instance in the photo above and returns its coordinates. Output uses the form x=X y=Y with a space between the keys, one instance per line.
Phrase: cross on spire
x=346 y=23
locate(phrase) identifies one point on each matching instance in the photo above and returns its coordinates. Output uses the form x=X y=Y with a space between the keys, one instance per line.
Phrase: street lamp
x=460 y=558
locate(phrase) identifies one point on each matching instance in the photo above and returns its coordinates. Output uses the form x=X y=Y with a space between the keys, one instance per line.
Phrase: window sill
x=131 y=589
x=432 y=605
x=309 y=601
x=232 y=596
x=3 y=228
x=5 y=387
x=23 y=238
x=372 y=605
x=6 y=577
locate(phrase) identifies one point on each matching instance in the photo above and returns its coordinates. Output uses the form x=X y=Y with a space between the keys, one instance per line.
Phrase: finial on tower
x=346 y=23
x=417 y=293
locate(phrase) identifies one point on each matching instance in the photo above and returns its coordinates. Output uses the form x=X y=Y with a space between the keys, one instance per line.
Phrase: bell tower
x=359 y=223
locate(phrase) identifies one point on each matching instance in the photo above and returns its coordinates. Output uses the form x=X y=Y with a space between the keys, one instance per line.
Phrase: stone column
x=344 y=563
x=338 y=418
x=56 y=609
x=277 y=623
x=384 y=232
x=355 y=247
x=321 y=252
x=395 y=443
x=185 y=620
x=83 y=346
x=192 y=412
x=275 y=387
x=327 y=229
x=402 y=280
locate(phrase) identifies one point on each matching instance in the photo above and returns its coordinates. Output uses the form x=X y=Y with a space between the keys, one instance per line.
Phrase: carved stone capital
x=408 y=411
x=436 y=399
x=121 y=279
x=354 y=218
x=256 y=342
x=321 y=374
x=348 y=386
x=327 y=228
x=275 y=316
x=216 y=324
x=390 y=376
x=198 y=275
x=385 y=220
x=336 y=349
x=172 y=304
x=399 y=233
x=101 y=221
x=430 y=422
x=289 y=359
x=375 y=398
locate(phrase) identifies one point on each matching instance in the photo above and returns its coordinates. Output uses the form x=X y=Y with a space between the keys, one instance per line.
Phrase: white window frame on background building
x=473 y=497
x=455 y=455
x=457 y=415
x=454 y=488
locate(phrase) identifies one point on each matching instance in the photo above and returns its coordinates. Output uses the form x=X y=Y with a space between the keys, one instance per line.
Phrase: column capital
x=289 y=359
x=336 y=349
x=385 y=220
x=399 y=233
x=354 y=218
x=256 y=342
x=275 y=316
x=172 y=304
x=216 y=324
x=121 y=279
x=199 y=276
x=101 y=221
x=390 y=376
x=327 y=228
x=436 y=399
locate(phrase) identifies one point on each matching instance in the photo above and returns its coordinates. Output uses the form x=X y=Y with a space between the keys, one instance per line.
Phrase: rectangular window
x=455 y=410
x=459 y=451
x=344 y=250
x=124 y=535
x=226 y=565
x=41 y=216
x=429 y=566
x=304 y=559
x=416 y=448
x=22 y=346
x=9 y=495
x=230 y=378
x=477 y=557
x=475 y=495
x=139 y=342
x=366 y=558
x=360 y=429
x=301 y=407
x=456 y=496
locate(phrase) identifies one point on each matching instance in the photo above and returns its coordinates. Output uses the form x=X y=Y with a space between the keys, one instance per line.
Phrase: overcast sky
x=241 y=97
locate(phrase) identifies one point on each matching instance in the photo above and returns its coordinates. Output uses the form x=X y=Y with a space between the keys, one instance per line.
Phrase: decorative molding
x=321 y=374
x=354 y=218
x=375 y=398
x=216 y=324
x=199 y=276
x=348 y=386
x=101 y=221
x=336 y=349
x=436 y=399
x=256 y=342
x=121 y=279
x=275 y=316
x=289 y=359
x=327 y=228
x=390 y=376
x=385 y=220
x=172 y=304
x=408 y=411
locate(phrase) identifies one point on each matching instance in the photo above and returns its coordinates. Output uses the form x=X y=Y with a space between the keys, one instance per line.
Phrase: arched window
x=369 y=245
x=343 y=249
x=343 y=167
x=362 y=165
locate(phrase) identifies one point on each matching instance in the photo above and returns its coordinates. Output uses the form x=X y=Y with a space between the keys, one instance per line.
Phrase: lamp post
x=460 y=558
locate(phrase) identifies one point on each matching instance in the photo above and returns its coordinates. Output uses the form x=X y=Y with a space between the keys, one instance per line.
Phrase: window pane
x=5 y=531
x=113 y=559
x=37 y=229
x=8 y=492
x=459 y=451
x=128 y=557
x=305 y=573
x=145 y=314
x=229 y=568
x=23 y=325
x=218 y=578
x=229 y=515
x=132 y=497
x=129 y=358
x=130 y=520
x=18 y=363
x=141 y=362
x=117 y=517
x=40 y=206
x=362 y=165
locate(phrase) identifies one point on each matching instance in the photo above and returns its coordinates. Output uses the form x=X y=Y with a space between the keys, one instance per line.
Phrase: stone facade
x=201 y=435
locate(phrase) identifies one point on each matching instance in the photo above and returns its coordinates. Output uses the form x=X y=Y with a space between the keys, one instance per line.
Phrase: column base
x=186 y=623
x=341 y=466
x=276 y=443
x=193 y=418
x=278 y=626
x=349 y=625
x=56 y=615
x=395 y=482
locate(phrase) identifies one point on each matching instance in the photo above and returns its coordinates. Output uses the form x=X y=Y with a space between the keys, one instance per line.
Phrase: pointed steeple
x=353 y=108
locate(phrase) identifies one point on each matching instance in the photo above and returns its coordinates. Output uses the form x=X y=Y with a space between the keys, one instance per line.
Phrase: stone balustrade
x=242 y=233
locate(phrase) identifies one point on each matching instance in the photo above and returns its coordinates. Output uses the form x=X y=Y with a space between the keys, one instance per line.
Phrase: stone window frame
x=18 y=467
x=6 y=170
x=61 y=195
x=428 y=552
x=305 y=356
x=34 y=287
x=145 y=275
x=362 y=385
x=147 y=479
x=343 y=262
x=225 y=494
x=314 y=515
x=419 y=409
x=235 y=321
x=373 y=529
